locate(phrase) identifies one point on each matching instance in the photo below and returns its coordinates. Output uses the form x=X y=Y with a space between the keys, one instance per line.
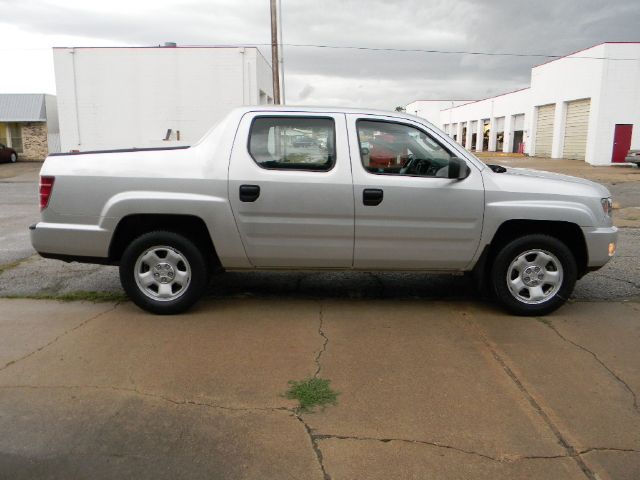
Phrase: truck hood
x=543 y=176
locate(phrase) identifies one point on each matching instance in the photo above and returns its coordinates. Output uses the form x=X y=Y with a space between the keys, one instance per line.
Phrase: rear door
x=291 y=191
x=408 y=214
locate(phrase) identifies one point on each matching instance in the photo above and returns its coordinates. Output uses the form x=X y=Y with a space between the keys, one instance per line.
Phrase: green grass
x=88 y=296
x=312 y=392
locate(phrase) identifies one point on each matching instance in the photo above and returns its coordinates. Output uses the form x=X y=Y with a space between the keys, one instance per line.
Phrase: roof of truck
x=302 y=108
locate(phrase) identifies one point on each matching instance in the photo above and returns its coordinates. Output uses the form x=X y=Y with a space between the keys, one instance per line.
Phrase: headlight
x=607 y=206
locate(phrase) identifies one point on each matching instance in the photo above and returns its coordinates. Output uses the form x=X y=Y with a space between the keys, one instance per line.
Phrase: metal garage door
x=575 y=132
x=544 y=130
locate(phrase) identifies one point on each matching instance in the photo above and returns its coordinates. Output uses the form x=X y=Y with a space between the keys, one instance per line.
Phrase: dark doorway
x=474 y=137
x=518 y=135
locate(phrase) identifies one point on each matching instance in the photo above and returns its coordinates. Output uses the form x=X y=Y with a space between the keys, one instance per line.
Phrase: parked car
x=170 y=217
x=8 y=154
x=633 y=156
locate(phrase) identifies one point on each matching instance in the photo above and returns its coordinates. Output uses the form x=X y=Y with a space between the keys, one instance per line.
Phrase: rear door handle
x=372 y=196
x=249 y=193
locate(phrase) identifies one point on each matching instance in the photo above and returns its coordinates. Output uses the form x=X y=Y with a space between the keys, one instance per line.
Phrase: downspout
x=75 y=93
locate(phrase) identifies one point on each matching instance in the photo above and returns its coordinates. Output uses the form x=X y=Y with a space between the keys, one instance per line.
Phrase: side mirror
x=458 y=169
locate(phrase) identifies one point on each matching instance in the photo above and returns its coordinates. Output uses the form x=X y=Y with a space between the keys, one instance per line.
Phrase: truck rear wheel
x=534 y=275
x=163 y=272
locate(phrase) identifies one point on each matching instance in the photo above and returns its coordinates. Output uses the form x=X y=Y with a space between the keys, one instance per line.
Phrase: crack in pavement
x=324 y=344
x=570 y=449
x=7 y=267
x=155 y=396
x=611 y=277
x=62 y=335
x=624 y=384
x=314 y=445
x=404 y=440
x=608 y=449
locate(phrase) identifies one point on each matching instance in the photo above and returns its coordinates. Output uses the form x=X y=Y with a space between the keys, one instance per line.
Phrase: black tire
x=194 y=264
x=13 y=158
x=558 y=293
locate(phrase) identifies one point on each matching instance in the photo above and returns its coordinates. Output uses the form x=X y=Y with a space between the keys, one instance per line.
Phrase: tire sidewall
x=13 y=158
x=194 y=256
x=520 y=245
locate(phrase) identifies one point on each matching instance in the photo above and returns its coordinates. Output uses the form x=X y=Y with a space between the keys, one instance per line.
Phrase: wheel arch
x=191 y=226
x=567 y=232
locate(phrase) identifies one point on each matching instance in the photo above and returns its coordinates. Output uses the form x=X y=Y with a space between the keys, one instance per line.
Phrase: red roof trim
x=488 y=98
x=583 y=50
x=157 y=46
x=445 y=100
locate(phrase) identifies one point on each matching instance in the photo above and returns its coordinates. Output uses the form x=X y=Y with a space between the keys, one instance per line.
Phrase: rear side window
x=293 y=143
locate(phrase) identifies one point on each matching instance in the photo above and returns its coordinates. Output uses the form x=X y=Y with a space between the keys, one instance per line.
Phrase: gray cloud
x=353 y=77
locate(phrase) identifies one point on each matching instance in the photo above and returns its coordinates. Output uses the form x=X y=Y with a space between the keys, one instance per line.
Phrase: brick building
x=29 y=124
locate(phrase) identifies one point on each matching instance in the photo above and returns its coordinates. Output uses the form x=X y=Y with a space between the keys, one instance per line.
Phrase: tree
x=400 y=109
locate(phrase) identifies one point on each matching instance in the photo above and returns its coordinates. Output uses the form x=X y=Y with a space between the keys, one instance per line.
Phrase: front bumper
x=598 y=241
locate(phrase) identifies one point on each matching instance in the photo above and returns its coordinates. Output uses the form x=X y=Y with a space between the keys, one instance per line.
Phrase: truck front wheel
x=163 y=272
x=534 y=275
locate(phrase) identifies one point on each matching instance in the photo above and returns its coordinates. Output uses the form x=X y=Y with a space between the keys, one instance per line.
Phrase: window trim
x=396 y=122
x=312 y=117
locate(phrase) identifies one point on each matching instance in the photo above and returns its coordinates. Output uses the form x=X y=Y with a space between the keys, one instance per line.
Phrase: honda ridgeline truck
x=321 y=189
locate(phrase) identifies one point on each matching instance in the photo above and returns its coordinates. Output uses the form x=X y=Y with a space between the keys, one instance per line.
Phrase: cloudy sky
x=381 y=79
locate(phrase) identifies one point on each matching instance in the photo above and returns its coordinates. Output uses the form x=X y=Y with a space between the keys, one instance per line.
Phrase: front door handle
x=372 y=196
x=249 y=193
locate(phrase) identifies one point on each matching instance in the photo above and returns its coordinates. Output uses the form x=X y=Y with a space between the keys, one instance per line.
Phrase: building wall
x=130 y=97
x=613 y=87
x=430 y=109
x=500 y=111
x=619 y=100
x=34 y=141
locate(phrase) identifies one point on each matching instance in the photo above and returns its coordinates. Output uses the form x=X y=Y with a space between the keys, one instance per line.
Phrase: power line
x=444 y=52
x=381 y=49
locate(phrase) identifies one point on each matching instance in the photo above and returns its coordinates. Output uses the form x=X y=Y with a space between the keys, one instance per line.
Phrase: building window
x=388 y=148
x=15 y=132
x=4 y=134
x=293 y=143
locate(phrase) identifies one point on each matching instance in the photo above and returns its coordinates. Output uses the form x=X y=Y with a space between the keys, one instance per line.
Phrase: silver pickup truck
x=321 y=189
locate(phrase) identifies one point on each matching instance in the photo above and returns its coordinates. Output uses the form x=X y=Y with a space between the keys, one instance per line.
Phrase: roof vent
x=170 y=44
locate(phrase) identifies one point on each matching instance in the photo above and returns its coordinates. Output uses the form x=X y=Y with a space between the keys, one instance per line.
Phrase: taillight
x=46 y=187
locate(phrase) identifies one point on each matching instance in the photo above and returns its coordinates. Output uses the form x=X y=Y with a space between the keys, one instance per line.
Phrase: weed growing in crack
x=312 y=392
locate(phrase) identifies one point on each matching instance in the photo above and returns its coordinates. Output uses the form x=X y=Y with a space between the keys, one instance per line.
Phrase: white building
x=583 y=106
x=430 y=109
x=111 y=98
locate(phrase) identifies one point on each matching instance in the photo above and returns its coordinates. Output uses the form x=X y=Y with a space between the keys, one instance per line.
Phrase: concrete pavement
x=434 y=382
x=428 y=389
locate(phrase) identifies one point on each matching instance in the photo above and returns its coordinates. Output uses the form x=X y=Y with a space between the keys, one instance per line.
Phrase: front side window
x=388 y=148
x=293 y=143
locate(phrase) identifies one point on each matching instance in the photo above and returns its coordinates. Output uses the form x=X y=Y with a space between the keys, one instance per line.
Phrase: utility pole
x=275 y=59
x=283 y=97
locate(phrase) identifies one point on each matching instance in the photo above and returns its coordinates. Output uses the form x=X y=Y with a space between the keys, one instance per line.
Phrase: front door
x=291 y=192
x=409 y=215
x=621 y=142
